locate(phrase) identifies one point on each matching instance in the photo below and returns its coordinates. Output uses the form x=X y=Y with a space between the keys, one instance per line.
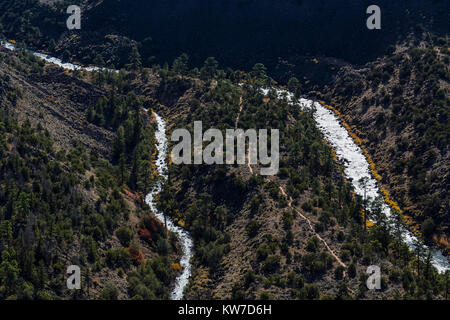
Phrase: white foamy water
x=355 y=167
x=57 y=61
x=186 y=242
x=184 y=237
x=355 y=164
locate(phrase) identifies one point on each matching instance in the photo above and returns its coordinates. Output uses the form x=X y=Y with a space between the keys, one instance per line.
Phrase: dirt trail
x=241 y=105
x=247 y=156
x=312 y=228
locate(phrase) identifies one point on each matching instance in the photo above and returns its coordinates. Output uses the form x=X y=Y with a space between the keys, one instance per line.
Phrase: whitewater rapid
x=57 y=61
x=347 y=151
x=355 y=163
x=186 y=242
x=161 y=163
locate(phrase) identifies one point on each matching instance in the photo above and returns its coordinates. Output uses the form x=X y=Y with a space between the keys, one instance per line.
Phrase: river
x=184 y=237
x=355 y=164
x=348 y=152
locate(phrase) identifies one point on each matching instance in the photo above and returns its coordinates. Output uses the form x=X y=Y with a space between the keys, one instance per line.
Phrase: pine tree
x=119 y=144
x=134 y=172
x=397 y=230
x=122 y=168
x=363 y=183
x=180 y=64
x=90 y=114
x=428 y=264
x=51 y=45
x=98 y=60
x=209 y=69
x=419 y=253
x=137 y=125
x=9 y=270
x=294 y=86
x=259 y=72
x=135 y=59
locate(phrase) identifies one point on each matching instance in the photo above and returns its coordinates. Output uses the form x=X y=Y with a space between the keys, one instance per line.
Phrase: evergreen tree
x=294 y=86
x=9 y=271
x=98 y=60
x=119 y=144
x=363 y=183
x=180 y=64
x=134 y=61
x=209 y=69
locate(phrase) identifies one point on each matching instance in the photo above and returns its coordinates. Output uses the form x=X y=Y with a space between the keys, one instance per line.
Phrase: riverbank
x=357 y=166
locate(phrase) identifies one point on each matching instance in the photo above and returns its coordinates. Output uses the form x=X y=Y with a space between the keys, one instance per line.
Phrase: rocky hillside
x=62 y=200
x=58 y=101
x=399 y=106
x=298 y=235
x=78 y=149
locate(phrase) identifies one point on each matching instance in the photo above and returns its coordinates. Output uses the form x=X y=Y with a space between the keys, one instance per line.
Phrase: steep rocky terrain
x=61 y=199
x=297 y=235
x=293 y=236
x=398 y=105
x=57 y=100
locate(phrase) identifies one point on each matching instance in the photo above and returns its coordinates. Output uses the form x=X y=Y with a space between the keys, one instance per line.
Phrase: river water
x=348 y=152
x=355 y=163
x=184 y=237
